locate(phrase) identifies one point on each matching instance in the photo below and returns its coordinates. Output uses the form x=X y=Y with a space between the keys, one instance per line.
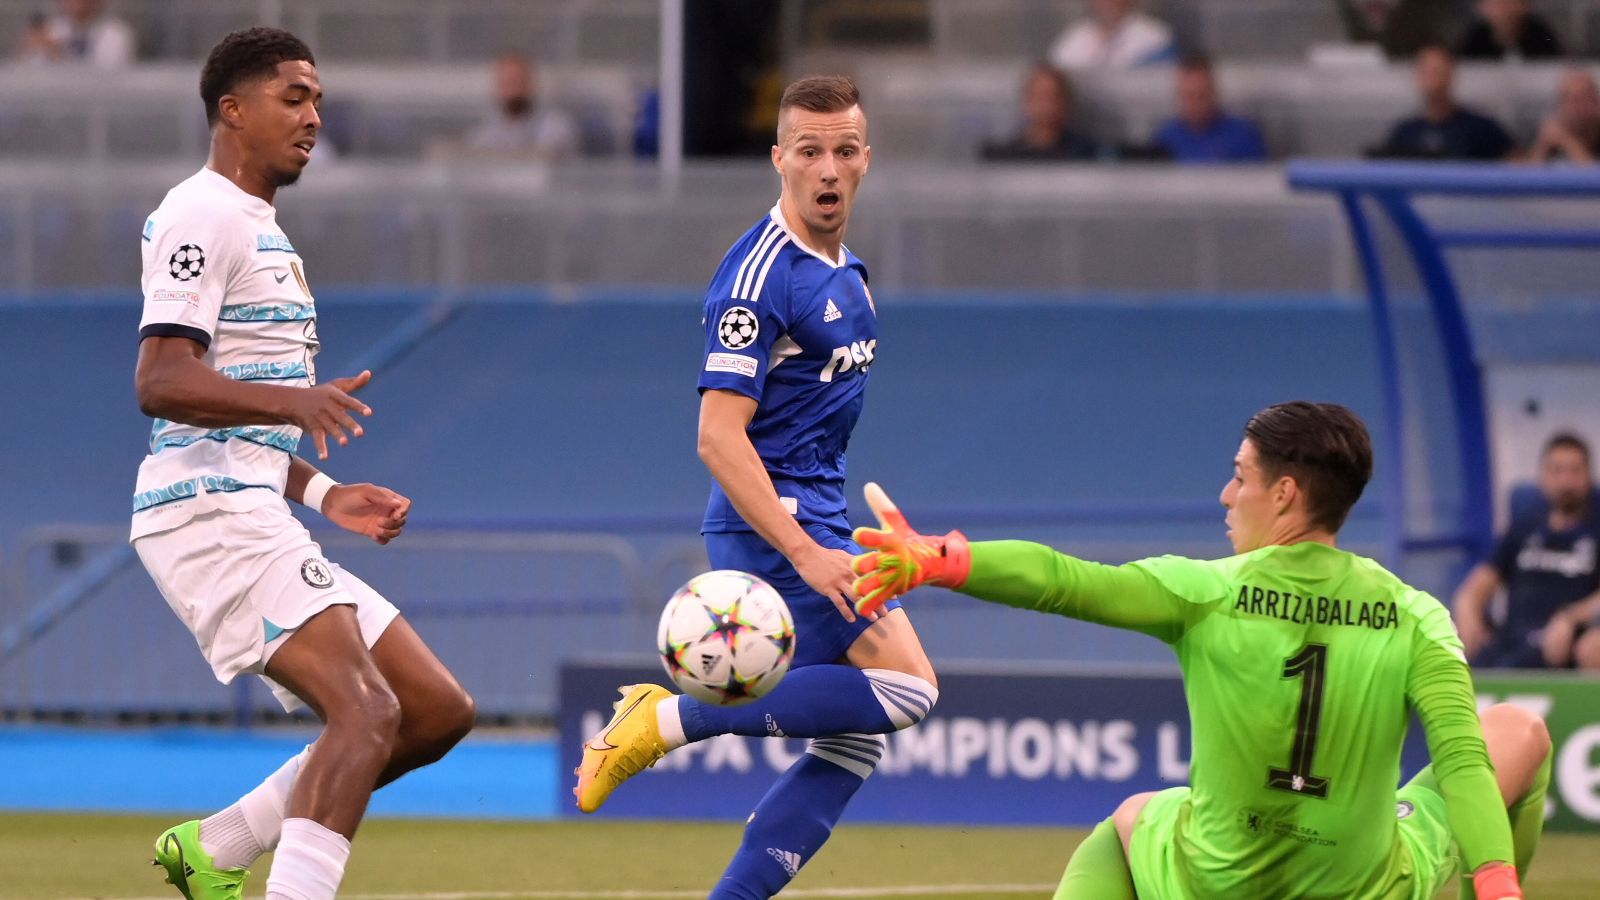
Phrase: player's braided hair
x=1324 y=447
x=244 y=55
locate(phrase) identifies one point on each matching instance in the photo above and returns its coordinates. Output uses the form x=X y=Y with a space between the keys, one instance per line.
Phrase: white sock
x=238 y=835
x=309 y=863
x=670 y=723
x=227 y=837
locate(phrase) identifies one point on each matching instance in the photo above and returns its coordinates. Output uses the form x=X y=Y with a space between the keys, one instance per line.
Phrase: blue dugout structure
x=1375 y=194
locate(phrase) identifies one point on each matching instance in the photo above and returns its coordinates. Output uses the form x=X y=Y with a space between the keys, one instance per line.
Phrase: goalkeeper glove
x=1497 y=881
x=900 y=559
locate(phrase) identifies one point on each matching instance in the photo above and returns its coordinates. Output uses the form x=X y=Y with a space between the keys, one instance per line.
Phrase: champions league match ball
x=726 y=637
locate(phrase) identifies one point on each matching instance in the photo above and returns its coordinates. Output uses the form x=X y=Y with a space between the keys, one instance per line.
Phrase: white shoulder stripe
x=777 y=250
x=767 y=237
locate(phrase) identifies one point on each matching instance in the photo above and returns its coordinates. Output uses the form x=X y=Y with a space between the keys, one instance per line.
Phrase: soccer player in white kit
x=226 y=351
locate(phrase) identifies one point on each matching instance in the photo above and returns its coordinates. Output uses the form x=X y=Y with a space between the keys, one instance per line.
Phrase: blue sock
x=818 y=701
x=794 y=819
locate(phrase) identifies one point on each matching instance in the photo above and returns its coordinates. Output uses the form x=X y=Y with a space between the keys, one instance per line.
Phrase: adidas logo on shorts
x=789 y=859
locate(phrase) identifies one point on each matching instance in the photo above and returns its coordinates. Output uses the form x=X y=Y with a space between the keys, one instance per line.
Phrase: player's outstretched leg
x=1098 y=869
x=815 y=701
x=811 y=702
x=795 y=818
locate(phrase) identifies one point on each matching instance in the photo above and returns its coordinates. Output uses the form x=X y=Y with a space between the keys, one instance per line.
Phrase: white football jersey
x=219 y=271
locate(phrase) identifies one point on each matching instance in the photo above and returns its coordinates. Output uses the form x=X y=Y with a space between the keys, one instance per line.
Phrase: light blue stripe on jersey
x=278 y=242
x=149 y=229
x=265 y=371
x=267 y=312
x=254 y=435
x=189 y=487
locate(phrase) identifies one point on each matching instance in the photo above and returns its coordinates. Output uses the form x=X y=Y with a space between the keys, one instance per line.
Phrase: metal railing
x=83 y=630
x=85 y=634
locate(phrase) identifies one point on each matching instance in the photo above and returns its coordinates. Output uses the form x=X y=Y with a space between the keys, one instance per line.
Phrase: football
x=726 y=637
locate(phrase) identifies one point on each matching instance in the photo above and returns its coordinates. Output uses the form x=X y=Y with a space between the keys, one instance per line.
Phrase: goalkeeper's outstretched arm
x=1033 y=576
x=1015 y=573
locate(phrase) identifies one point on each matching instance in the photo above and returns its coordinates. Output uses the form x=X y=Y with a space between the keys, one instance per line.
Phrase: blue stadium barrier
x=1393 y=189
x=1101 y=426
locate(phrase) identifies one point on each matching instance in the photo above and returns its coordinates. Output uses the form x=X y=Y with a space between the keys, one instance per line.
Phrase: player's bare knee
x=907 y=699
x=454 y=722
x=1521 y=731
x=427 y=734
x=1127 y=815
x=367 y=721
x=463 y=718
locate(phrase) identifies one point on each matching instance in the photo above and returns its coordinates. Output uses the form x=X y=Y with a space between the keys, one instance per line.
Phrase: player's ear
x=1284 y=492
x=228 y=112
x=866 y=158
x=777 y=158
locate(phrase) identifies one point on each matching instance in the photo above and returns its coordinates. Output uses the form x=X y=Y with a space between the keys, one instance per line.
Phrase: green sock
x=1527 y=818
x=1098 y=869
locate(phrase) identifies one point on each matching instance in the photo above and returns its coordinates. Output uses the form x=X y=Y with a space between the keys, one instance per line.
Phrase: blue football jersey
x=796 y=332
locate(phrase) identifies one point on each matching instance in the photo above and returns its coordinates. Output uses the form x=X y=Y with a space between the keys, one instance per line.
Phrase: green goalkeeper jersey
x=1299 y=663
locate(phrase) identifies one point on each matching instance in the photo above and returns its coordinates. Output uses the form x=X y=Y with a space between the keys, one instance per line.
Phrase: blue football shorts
x=822 y=634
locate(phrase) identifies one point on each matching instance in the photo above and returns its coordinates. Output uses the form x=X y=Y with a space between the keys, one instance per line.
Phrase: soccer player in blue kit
x=791 y=333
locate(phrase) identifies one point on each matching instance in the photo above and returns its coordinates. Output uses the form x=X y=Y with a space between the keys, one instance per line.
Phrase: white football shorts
x=242 y=582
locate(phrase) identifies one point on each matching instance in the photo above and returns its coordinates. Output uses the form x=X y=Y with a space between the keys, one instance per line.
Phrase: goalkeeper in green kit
x=1300 y=662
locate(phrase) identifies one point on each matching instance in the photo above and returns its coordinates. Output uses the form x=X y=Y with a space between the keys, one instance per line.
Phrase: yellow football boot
x=630 y=743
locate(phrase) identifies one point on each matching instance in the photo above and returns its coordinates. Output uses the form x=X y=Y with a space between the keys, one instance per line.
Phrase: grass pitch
x=74 y=857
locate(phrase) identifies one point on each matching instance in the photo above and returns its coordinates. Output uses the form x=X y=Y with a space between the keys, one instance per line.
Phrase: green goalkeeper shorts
x=1426 y=848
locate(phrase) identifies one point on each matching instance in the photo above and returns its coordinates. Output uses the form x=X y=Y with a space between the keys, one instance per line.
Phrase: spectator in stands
x=1116 y=36
x=1202 y=132
x=1505 y=28
x=1572 y=132
x=1445 y=129
x=1403 y=27
x=1047 y=132
x=79 y=32
x=1547 y=565
x=523 y=126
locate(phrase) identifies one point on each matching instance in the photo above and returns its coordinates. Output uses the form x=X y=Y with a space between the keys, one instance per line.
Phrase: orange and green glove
x=899 y=560
x=1497 y=882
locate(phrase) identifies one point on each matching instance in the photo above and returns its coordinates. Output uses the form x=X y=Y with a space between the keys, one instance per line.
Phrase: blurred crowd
x=1115 y=36
x=1432 y=34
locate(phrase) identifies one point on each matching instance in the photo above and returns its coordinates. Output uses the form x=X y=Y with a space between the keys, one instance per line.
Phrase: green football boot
x=190 y=868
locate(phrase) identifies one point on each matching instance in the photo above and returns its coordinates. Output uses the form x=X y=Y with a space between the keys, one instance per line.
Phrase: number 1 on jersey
x=1310 y=665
